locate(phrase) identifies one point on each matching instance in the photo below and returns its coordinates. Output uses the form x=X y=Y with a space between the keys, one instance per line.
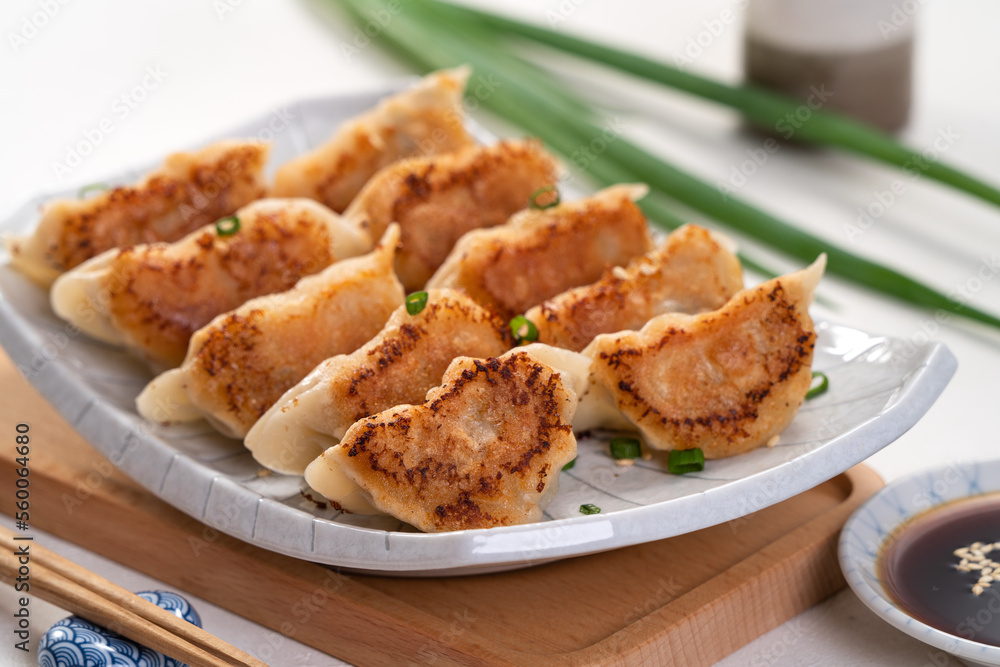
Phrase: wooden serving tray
x=687 y=600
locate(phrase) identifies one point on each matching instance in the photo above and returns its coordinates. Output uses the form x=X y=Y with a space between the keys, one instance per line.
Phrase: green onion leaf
x=681 y=461
x=544 y=198
x=523 y=330
x=416 y=302
x=227 y=226
x=589 y=509
x=569 y=465
x=93 y=187
x=821 y=388
x=764 y=107
x=625 y=448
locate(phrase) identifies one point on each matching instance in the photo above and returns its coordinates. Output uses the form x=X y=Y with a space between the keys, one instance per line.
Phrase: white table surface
x=219 y=61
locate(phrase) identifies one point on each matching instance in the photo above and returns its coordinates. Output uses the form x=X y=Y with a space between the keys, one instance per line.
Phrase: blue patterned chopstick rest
x=75 y=642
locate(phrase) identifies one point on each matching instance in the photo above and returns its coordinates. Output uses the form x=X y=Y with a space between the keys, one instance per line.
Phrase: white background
x=223 y=62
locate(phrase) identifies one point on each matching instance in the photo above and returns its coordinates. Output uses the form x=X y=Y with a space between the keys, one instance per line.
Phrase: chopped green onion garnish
x=93 y=187
x=681 y=461
x=589 y=509
x=569 y=465
x=625 y=448
x=227 y=226
x=416 y=302
x=821 y=388
x=523 y=330
x=543 y=198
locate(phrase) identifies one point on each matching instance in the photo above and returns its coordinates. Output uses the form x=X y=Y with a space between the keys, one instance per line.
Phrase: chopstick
x=90 y=596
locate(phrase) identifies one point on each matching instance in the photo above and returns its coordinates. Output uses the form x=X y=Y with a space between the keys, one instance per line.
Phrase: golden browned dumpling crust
x=406 y=359
x=437 y=199
x=189 y=191
x=540 y=253
x=425 y=120
x=411 y=358
x=483 y=450
x=153 y=297
x=243 y=361
x=726 y=381
x=691 y=272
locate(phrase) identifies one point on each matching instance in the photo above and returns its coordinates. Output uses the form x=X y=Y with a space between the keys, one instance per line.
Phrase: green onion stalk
x=625 y=448
x=818 y=389
x=682 y=461
x=436 y=36
x=760 y=105
x=227 y=226
x=416 y=302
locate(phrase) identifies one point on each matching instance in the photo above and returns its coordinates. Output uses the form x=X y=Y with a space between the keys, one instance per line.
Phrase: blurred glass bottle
x=854 y=56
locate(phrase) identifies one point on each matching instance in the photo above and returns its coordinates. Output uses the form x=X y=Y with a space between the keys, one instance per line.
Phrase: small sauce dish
x=921 y=554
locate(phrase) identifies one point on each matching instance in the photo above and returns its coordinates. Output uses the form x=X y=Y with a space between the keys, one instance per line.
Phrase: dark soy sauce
x=918 y=569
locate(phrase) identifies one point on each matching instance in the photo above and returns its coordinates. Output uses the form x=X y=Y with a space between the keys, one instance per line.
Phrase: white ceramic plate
x=880 y=517
x=879 y=387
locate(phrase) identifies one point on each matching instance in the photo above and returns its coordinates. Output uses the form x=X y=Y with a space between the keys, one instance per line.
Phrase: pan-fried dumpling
x=189 y=191
x=425 y=120
x=693 y=271
x=596 y=408
x=399 y=365
x=726 y=381
x=439 y=198
x=540 y=253
x=151 y=298
x=243 y=361
x=485 y=449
